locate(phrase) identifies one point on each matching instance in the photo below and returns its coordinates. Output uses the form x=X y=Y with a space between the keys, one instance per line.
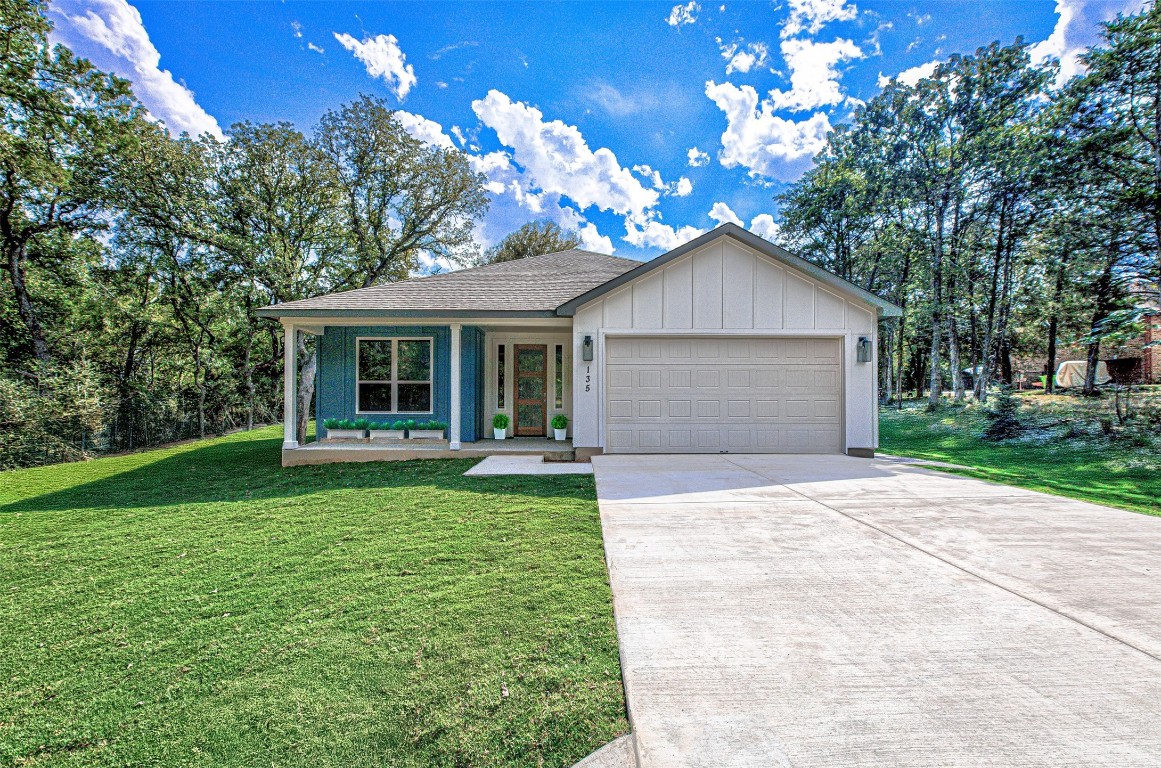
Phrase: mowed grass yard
x=200 y=605
x=1085 y=466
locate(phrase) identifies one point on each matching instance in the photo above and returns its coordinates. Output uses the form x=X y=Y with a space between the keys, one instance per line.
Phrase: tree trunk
x=1054 y=322
x=305 y=385
x=24 y=306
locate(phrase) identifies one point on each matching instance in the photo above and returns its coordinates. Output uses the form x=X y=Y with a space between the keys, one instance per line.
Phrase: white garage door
x=717 y=395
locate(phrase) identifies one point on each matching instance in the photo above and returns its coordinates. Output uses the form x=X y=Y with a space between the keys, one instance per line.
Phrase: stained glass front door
x=531 y=390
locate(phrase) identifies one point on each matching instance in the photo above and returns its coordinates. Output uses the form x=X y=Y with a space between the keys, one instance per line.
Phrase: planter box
x=346 y=434
x=387 y=434
x=499 y=434
x=560 y=434
x=425 y=434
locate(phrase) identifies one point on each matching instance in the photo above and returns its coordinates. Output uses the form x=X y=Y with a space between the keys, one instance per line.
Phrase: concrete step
x=566 y=455
x=618 y=753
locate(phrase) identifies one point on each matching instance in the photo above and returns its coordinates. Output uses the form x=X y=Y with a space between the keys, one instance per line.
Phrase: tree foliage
x=532 y=239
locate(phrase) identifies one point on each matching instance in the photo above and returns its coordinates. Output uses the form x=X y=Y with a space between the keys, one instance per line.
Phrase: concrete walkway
x=823 y=610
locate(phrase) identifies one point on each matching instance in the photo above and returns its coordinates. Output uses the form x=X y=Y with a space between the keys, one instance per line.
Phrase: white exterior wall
x=721 y=289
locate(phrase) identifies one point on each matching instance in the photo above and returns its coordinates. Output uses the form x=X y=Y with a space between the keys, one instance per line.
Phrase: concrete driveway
x=824 y=610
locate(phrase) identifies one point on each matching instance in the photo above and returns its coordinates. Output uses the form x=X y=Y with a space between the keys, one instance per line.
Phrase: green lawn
x=1106 y=472
x=200 y=605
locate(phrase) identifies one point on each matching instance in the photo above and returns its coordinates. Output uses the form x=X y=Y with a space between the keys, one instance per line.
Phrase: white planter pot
x=345 y=434
x=499 y=434
x=426 y=434
x=387 y=434
x=561 y=434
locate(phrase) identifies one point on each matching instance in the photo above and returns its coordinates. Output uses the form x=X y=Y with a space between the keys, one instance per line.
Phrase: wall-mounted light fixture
x=587 y=349
x=863 y=349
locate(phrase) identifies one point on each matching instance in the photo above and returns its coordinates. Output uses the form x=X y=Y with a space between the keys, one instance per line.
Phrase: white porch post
x=454 y=421
x=290 y=388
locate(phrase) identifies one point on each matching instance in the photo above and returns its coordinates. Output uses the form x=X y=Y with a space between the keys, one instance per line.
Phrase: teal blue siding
x=335 y=380
x=471 y=383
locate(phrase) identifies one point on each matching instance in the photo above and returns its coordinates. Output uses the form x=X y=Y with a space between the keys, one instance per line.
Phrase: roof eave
x=883 y=307
x=276 y=312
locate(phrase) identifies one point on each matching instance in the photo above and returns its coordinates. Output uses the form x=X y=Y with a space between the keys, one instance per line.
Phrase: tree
x=61 y=121
x=532 y=239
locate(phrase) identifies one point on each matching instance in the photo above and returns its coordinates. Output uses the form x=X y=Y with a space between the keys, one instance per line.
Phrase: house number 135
x=588 y=378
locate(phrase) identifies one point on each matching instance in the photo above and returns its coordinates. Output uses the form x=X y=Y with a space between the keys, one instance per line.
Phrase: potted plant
x=560 y=426
x=344 y=429
x=384 y=431
x=428 y=430
x=500 y=426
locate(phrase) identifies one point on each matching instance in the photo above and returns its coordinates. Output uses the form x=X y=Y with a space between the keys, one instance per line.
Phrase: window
x=500 y=377
x=559 y=376
x=394 y=375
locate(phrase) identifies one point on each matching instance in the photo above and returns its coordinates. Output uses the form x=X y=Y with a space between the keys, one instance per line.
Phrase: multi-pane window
x=559 y=376
x=394 y=375
x=500 y=377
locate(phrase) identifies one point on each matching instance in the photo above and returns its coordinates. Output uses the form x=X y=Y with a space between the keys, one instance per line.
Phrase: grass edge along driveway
x=200 y=605
x=1110 y=474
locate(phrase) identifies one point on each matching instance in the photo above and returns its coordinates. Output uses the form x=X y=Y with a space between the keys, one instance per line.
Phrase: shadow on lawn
x=250 y=469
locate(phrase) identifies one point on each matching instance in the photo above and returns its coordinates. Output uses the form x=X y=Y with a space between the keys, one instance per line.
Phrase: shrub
x=501 y=421
x=560 y=421
x=362 y=424
x=1003 y=415
x=399 y=425
x=438 y=425
x=345 y=424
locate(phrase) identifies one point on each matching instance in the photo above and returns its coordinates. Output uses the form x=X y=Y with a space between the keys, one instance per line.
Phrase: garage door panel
x=718 y=395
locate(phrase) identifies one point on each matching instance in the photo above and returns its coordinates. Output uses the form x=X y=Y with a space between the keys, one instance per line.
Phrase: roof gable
x=749 y=239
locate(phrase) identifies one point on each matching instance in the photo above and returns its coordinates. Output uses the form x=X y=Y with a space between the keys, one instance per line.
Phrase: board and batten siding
x=725 y=288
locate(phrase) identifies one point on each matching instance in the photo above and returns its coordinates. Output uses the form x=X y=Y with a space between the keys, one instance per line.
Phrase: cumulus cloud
x=1077 y=27
x=683 y=14
x=742 y=57
x=654 y=234
x=812 y=15
x=763 y=225
x=683 y=188
x=559 y=159
x=117 y=26
x=722 y=214
x=814 y=73
x=427 y=131
x=759 y=140
x=911 y=76
x=315 y=48
x=679 y=188
x=383 y=58
x=697 y=158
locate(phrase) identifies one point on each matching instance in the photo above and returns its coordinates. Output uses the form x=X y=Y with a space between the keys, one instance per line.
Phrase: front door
x=531 y=389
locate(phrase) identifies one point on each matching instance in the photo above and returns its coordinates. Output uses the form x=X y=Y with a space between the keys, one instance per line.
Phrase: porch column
x=454 y=421
x=290 y=388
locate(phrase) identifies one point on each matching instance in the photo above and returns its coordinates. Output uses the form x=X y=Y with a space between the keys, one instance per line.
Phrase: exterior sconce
x=587 y=349
x=863 y=349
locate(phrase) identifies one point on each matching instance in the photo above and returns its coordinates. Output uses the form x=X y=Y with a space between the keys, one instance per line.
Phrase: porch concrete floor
x=324 y=452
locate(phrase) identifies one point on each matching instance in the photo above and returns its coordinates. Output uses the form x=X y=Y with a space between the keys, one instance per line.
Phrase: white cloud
x=763 y=225
x=697 y=158
x=430 y=265
x=743 y=57
x=679 y=188
x=683 y=14
x=722 y=214
x=911 y=76
x=811 y=15
x=814 y=73
x=117 y=26
x=427 y=131
x=684 y=187
x=315 y=48
x=296 y=28
x=653 y=234
x=1077 y=27
x=383 y=58
x=652 y=175
x=758 y=139
x=557 y=158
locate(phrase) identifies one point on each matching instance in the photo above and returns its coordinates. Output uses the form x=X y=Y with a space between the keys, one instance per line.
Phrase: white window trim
x=395 y=382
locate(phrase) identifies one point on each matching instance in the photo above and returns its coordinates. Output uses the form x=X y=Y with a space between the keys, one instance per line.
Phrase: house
x=725 y=344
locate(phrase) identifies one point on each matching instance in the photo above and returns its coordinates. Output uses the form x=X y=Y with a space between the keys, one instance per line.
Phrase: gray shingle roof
x=537 y=285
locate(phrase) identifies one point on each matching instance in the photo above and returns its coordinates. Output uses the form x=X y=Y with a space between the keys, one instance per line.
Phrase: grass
x=1082 y=466
x=200 y=605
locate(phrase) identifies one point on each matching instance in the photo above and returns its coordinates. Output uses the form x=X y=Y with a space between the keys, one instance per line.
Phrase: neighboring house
x=725 y=344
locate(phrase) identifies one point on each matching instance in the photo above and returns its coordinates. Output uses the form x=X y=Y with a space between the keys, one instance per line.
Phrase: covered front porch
x=459 y=374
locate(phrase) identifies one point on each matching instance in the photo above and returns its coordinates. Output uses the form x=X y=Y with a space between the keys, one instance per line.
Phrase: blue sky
x=638 y=124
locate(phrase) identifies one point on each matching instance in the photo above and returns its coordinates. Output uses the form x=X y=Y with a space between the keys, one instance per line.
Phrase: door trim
x=517 y=401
